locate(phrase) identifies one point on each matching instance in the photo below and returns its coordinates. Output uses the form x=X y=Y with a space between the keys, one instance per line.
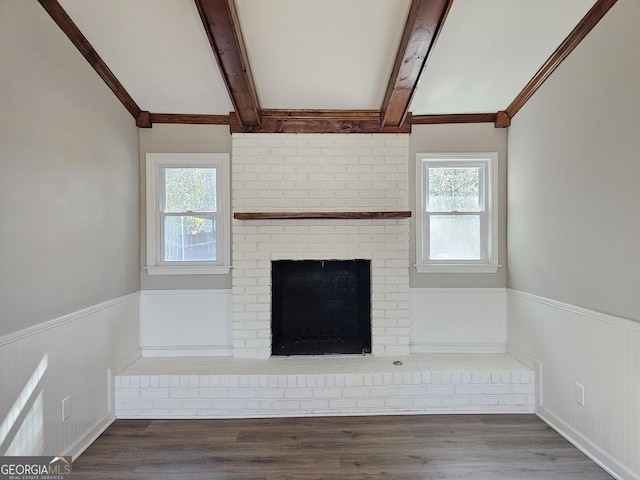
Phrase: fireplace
x=345 y=175
x=321 y=307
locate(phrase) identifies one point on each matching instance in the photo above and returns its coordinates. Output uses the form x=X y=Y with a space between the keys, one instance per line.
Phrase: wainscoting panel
x=74 y=356
x=590 y=389
x=458 y=320
x=179 y=323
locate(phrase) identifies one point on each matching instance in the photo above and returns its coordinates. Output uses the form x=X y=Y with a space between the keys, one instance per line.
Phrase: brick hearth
x=324 y=385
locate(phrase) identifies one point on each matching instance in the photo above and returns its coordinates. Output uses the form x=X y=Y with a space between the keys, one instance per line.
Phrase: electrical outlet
x=66 y=408
x=579 y=393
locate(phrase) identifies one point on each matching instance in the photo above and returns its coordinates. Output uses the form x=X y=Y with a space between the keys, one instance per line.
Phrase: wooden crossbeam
x=189 y=118
x=454 y=118
x=424 y=23
x=221 y=23
x=319 y=121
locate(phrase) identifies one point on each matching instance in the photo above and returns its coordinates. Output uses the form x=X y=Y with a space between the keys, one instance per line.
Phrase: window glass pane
x=454 y=237
x=453 y=189
x=189 y=239
x=190 y=189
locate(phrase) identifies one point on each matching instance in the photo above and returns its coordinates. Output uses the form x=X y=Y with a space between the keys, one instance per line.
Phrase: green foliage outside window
x=453 y=189
x=191 y=190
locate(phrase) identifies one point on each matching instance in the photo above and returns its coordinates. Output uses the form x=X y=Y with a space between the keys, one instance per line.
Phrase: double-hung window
x=457 y=229
x=187 y=213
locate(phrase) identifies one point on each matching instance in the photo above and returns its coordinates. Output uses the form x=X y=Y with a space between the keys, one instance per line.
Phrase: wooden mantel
x=320 y=215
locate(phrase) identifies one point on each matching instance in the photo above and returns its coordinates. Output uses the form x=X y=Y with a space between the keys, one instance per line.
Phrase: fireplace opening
x=321 y=307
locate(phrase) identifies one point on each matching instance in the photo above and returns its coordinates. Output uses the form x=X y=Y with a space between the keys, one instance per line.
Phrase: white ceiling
x=489 y=50
x=325 y=54
x=159 y=51
x=322 y=54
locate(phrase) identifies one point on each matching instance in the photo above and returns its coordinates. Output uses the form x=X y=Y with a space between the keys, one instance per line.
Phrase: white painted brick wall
x=266 y=395
x=272 y=172
x=290 y=172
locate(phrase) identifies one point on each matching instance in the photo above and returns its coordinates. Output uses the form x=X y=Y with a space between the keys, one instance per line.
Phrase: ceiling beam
x=329 y=121
x=332 y=114
x=319 y=121
x=221 y=23
x=502 y=120
x=590 y=20
x=189 y=118
x=424 y=23
x=454 y=118
x=70 y=29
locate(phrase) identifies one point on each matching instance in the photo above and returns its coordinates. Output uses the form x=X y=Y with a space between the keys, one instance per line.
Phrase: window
x=457 y=229
x=187 y=213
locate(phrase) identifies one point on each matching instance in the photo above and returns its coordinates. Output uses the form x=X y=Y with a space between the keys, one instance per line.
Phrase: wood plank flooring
x=418 y=447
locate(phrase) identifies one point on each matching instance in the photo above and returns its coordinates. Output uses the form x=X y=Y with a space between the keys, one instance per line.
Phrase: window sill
x=457 y=268
x=188 y=270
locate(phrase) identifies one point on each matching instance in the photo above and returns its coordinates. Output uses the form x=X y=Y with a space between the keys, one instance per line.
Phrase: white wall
x=574 y=173
x=574 y=232
x=69 y=272
x=186 y=323
x=458 y=320
x=69 y=177
x=458 y=312
x=198 y=322
x=183 y=315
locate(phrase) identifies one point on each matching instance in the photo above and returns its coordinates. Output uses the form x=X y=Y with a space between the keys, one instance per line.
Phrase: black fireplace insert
x=321 y=307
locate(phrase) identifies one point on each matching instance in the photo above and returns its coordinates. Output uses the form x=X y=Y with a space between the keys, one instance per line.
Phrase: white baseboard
x=81 y=444
x=586 y=446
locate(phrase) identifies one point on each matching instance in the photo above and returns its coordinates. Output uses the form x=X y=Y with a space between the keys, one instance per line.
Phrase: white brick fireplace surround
x=320 y=173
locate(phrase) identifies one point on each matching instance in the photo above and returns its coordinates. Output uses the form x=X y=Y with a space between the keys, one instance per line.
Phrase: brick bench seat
x=219 y=387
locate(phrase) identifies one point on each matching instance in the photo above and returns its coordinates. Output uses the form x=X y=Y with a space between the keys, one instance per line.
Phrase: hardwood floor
x=347 y=448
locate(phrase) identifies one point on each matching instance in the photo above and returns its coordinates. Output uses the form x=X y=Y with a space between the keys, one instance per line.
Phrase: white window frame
x=155 y=163
x=489 y=235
